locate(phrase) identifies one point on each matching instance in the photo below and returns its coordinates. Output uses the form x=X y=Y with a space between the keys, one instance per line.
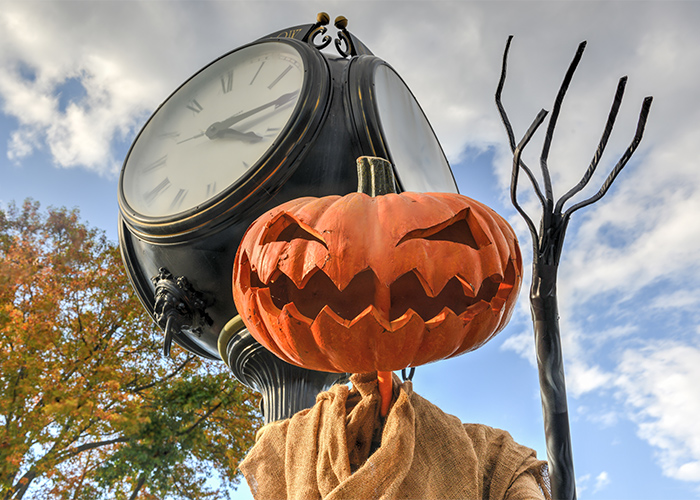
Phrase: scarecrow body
x=372 y=284
x=324 y=452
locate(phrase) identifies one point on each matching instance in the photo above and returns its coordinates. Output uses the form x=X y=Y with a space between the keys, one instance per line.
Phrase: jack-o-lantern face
x=359 y=283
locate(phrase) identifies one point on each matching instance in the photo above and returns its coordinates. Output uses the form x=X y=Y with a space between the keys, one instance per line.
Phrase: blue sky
x=78 y=80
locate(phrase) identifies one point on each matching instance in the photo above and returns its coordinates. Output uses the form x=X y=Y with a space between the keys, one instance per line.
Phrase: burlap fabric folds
x=420 y=452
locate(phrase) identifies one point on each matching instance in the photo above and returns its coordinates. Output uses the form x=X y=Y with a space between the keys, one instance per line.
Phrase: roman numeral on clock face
x=154 y=165
x=276 y=80
x=257 y=72
x=194 y=106
x=227 y=82
x=179 y=198
x=157 y=191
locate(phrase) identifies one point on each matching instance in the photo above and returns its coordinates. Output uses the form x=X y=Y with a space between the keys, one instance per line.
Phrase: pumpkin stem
x=375 y=176
x=385 y=391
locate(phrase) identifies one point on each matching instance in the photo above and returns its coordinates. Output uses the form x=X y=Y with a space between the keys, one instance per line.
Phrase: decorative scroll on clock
x=316 y=35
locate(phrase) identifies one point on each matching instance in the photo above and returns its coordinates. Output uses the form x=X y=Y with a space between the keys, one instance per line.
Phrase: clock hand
x=237 y=134
x=216 y=127
x=229 y=132
x=190 y=138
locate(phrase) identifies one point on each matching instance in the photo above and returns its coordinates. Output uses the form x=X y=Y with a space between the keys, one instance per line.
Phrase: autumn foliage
x=89 y=408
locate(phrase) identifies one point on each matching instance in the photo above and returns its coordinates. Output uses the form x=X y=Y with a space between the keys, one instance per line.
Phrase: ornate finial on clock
x=341 y=22
x=318 y=29
x=344 y=38
x=346 y=44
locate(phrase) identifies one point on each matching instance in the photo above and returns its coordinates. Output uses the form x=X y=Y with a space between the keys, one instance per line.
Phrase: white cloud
x=658 y=383
x=601 y=481
x=657 y=237
x=583 y=482
x=155 y=45
x=606 y=419
x=36 y=67
x=522 y=344
x=583 y=378
x=681 y=299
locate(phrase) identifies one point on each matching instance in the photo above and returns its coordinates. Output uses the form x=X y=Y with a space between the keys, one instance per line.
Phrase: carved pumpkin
x=361 y=284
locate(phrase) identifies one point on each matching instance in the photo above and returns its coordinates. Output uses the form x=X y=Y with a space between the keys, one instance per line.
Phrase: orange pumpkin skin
x=358 y=283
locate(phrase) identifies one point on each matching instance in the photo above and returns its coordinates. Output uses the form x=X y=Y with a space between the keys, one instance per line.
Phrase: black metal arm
x=547 y=243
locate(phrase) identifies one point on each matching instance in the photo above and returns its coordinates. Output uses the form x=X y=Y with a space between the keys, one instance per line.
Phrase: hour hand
x=227 y=132
x=236 y=134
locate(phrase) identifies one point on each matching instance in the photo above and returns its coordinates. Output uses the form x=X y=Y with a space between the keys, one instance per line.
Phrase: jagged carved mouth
x=407 y=292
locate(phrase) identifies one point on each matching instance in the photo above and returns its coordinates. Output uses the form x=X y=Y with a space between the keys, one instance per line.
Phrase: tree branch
x=139 y=485
x=202 y=418
x=23 y=483
x=177 y=370
x=90 y=446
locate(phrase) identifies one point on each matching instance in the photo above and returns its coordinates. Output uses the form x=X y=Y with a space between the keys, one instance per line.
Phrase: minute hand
x=215 y=128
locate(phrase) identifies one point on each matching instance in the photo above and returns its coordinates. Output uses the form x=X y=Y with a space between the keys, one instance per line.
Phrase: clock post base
x=286 y=389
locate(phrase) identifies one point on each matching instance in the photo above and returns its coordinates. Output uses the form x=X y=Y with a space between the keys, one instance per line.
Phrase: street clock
x=268 y=122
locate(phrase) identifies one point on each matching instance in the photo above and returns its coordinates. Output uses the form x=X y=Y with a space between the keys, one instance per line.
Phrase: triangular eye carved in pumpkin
x=286 y=228
x=461 y=229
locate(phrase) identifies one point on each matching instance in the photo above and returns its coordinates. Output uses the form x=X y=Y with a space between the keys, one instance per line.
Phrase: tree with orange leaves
x=88 y=407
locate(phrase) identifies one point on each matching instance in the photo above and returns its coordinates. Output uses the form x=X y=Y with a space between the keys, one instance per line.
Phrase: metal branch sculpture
x=547 y=248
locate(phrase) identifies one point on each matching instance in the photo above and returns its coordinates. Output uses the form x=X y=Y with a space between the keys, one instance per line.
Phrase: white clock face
x=213 y=130
x=415 y=151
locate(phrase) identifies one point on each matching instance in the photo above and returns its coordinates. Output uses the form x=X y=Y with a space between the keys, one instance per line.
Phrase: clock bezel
x=268 y=173
x=365 y=115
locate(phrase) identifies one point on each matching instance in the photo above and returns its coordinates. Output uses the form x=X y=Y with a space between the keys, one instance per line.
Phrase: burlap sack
x=422 y=453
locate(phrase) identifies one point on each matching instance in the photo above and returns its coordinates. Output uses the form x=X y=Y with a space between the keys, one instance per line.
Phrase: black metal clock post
x=179 y=250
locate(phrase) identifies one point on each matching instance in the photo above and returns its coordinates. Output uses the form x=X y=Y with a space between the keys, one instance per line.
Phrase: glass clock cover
x=414 y=150
x=391 y=124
